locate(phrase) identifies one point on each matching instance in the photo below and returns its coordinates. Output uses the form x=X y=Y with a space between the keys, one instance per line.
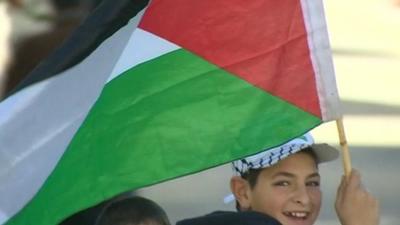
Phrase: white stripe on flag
x=3 y=217
x=321 y=57
x=142 y=46
x=38 y=123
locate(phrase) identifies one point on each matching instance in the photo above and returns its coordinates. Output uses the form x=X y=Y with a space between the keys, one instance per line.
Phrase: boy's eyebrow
x=291 y=175
x=313 y=175
x=284 y=174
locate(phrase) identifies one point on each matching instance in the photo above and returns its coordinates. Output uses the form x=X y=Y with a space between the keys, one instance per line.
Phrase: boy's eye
x=313 y=183
x=282 y=183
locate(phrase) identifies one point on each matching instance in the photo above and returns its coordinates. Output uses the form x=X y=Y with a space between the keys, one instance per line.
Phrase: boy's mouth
x=298 y=215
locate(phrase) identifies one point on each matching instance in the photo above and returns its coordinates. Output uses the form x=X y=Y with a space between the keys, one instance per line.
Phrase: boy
x=283 y=184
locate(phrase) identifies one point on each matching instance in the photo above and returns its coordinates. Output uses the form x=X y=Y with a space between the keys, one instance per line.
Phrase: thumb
x=340 y=190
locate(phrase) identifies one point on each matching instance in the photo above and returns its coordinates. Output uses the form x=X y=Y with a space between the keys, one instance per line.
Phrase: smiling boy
x=288 y=191
x=282 y=186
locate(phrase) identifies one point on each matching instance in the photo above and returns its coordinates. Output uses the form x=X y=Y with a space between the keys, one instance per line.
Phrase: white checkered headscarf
x=270 y=157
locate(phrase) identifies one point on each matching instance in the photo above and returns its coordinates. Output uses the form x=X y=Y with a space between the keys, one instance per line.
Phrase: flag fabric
x=184 y=86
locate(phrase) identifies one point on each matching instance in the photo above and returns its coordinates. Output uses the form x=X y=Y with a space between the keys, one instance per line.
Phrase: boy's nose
x=301 y=196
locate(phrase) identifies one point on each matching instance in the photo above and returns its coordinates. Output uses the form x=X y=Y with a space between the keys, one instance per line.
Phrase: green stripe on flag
x=174 y=115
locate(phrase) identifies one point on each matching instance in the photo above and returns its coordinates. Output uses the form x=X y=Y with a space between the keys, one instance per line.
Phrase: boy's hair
x=251 y=176
x=133 y=211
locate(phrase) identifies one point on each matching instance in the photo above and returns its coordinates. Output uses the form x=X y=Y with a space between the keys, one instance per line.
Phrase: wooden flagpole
x=345 y=148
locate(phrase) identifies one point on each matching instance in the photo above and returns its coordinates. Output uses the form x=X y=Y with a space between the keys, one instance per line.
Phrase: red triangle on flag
x=262 y=41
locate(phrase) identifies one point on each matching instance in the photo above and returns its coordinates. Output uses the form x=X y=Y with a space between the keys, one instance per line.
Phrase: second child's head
x=283 y=182
x=133 y=211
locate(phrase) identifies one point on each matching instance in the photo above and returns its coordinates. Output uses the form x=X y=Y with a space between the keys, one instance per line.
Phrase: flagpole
x=345 y=148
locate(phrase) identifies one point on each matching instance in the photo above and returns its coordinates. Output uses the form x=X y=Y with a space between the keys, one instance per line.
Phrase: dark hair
x=133 y=211
x=251 y=176
x=62 y=4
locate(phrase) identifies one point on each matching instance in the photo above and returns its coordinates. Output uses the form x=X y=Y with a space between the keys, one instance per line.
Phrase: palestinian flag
x=143 y=93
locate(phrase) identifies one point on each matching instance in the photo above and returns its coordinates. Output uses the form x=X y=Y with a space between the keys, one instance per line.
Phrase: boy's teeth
x=298 y=214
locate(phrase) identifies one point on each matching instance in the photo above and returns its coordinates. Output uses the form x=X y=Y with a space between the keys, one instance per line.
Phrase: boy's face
x=288 y=191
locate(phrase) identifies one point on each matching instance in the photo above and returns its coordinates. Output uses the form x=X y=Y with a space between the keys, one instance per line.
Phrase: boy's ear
x=242 y=191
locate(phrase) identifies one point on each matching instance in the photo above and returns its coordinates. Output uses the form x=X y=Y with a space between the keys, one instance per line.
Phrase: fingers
x=348 y=185
x=354 y=181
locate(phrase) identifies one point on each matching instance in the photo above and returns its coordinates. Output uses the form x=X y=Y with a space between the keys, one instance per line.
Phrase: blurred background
x=31 y=30
x=365 y=38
